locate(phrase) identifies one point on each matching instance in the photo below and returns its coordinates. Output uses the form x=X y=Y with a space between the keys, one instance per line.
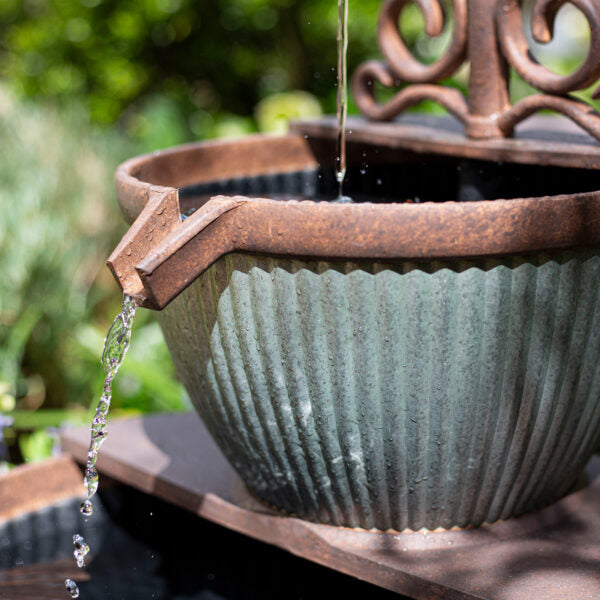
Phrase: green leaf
x=36 y=446
x=40 y=419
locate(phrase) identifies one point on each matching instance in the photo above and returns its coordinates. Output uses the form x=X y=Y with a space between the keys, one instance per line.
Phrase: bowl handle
x=157 y=234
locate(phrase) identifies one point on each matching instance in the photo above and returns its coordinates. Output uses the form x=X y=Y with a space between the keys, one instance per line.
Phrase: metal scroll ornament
x=489 y=35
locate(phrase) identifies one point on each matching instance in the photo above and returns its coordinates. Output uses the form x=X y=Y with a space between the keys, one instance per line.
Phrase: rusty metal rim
x=167 y=170
x=160 y=256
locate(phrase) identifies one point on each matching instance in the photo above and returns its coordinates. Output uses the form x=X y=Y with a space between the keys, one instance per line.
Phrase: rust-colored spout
x=159 y=236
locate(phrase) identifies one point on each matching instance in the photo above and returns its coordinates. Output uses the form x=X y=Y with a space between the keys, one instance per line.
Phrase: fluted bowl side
x=396 y=396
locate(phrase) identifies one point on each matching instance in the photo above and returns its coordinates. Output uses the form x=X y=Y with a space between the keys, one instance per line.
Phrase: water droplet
x=86 y=508
x=81 y=550
x=103 y=406
x=91 y=473
x=72 y=588
x=404 y=549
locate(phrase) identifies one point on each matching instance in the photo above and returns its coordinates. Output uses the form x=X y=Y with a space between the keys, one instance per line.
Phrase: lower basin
x=145 y=549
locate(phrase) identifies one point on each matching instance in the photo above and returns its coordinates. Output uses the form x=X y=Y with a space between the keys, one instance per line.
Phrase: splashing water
x=342 y=98
x=116 y=345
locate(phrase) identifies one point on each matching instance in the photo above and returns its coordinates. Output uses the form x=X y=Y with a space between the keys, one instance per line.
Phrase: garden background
x=85 y=84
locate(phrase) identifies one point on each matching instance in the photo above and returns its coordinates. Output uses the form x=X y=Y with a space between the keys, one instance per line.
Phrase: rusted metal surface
x=375 y=232
x=30 y=487
x=552 y=554
x=160 y=256
x=488 y=87
x=159 y=217
x=547 y=141
x=489 y=35
x=402 y=63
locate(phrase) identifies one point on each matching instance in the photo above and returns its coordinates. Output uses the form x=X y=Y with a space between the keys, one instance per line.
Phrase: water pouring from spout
x=115 y=347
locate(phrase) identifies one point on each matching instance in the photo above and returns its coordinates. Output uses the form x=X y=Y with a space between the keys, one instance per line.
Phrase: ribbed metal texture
x=46 y=535
x=397 y=396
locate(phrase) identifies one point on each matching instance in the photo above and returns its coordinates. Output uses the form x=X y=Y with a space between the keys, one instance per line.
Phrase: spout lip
x=132 y=193
x=159 y=217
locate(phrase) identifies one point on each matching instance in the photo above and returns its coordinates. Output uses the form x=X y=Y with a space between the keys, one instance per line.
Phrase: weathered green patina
x=396 y=396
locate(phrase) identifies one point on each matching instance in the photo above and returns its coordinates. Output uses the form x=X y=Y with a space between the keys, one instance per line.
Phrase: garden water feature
x=384 y=365
x=119 y=335
x=137 y=557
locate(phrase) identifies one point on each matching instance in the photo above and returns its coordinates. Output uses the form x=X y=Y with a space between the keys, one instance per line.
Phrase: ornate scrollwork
x=581 y=113
x=402 y=66
x=401 y=62
x=373 y=71
x=515 y=48
x=505 y=42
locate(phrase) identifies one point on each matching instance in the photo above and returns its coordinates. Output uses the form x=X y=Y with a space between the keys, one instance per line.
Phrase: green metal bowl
x=396 y=396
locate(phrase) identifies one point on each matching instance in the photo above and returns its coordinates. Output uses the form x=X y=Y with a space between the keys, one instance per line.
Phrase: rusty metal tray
x=551 y=554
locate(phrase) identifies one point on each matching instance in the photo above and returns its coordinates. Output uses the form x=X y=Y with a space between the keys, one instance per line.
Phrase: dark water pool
x=143 y=548
x=414 y=180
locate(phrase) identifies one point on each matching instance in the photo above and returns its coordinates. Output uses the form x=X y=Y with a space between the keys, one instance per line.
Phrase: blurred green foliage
x=207 y=57
x=171 y=70
x=88 y=83
x=58 y=222
x=196 y=63
x=55 y=229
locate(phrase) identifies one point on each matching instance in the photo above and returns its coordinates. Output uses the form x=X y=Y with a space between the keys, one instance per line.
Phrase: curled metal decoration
x=402 y=66
x=581 y=113
x=516 y=49
x=374 y=71
x=402 y=63
x=491 y=33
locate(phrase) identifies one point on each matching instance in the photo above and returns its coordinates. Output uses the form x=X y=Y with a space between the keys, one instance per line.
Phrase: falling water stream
x=342 y=98
x=119 y=335
x=115 y=348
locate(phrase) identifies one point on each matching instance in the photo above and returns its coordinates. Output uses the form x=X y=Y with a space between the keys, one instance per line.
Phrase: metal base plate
x=551 y=554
